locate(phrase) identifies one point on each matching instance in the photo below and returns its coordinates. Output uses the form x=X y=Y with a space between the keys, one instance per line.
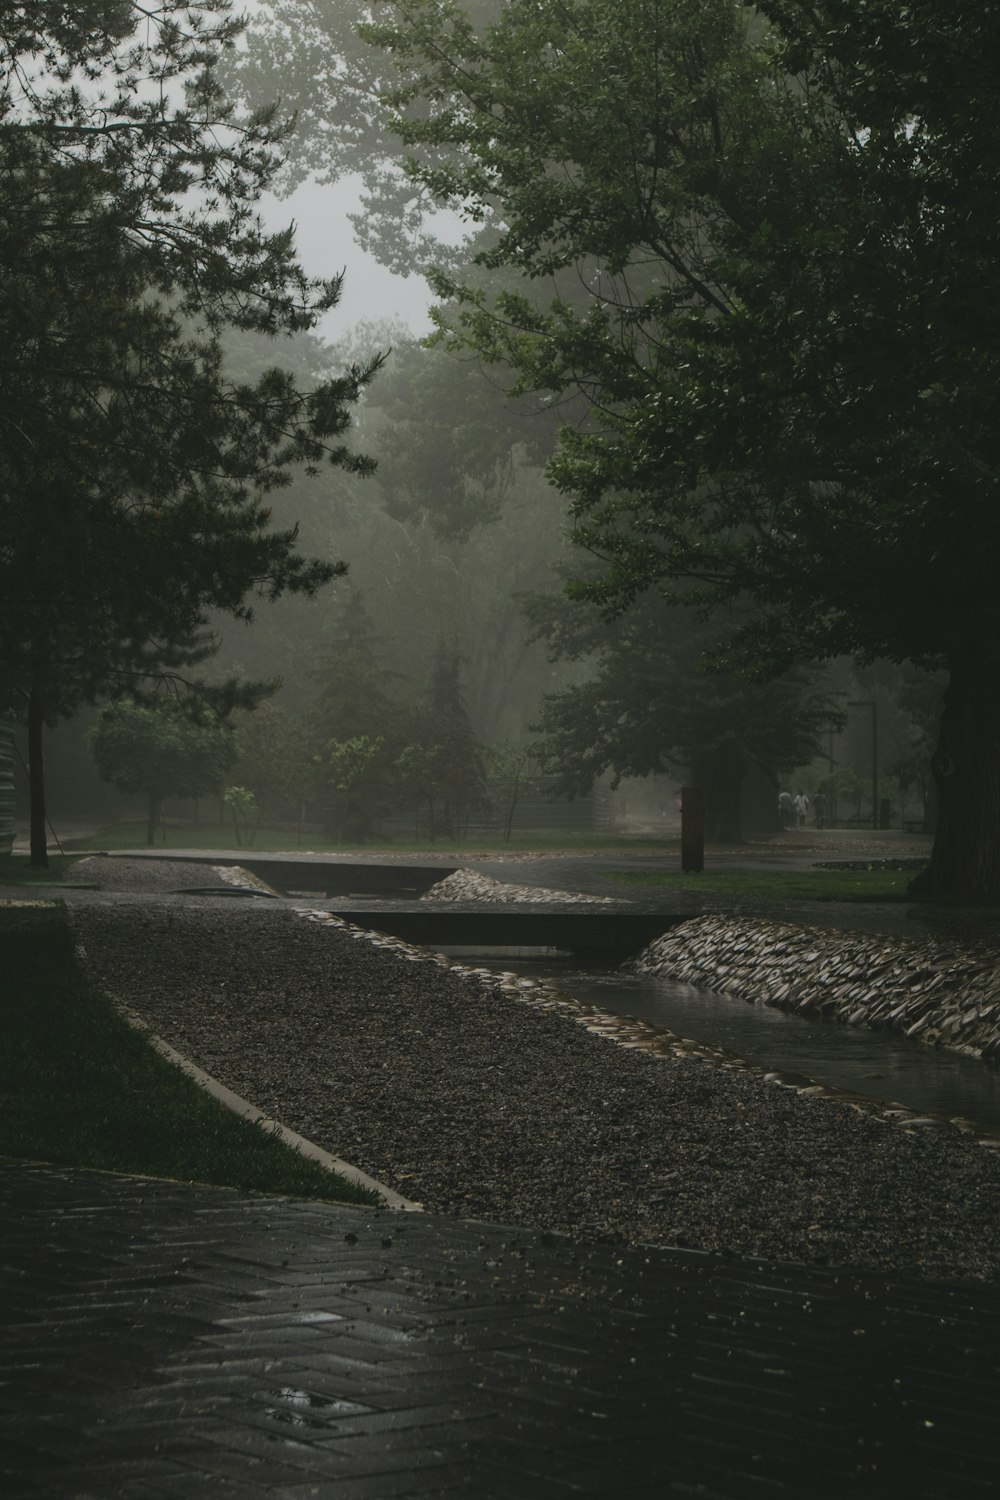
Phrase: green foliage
x=436 y=540
x=345 y=761
x=512 y=769
x=651 y=704
x=458 y=778
x=159 y=751
x=275 y=762
x=333 y=86
x=80 y=1086
x=216 y=836
x=733 y=321
x=133 y=467
x=755 y=372
x=776 y=885
x=754 y=240
x=380 y=752
x=452 y=449
x=354 y=687
x=141 y=748
x=245 y=812
x=358 y=782
x=359 y=723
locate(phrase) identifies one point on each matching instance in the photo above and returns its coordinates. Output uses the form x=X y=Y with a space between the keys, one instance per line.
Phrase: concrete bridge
x=385 y=897
x=597 y=932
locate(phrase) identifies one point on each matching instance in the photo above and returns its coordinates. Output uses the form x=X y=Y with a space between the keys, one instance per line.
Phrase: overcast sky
x=326 y=245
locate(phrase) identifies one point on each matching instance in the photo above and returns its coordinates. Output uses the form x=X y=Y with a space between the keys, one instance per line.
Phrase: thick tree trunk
x=721 y=778
x=965 y=863
x=36 y=778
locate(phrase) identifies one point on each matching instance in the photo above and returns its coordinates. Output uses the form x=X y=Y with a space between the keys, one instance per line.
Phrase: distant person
x=801 y=808
x=786 y=810
x=819 y=808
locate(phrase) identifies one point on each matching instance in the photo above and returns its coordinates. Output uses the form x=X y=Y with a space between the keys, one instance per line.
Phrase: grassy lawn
x=15 y=869
x=79 y=1086
x=779 y=885
x=266 y=841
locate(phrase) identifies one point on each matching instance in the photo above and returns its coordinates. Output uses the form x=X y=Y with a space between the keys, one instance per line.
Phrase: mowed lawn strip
x=271 y=840
x=778 y=885
x=81 y=1087
x=15 y=870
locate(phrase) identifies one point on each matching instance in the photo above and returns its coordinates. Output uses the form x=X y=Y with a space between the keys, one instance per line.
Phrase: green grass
x=15 y=869
x=779 y=885
x=80 y=1086
x=221 y=836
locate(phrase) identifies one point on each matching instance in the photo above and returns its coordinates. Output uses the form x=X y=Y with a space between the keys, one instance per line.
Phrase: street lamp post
x=870 y=703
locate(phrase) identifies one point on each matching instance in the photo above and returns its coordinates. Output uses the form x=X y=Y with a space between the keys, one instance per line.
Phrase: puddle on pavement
x=306 y=1409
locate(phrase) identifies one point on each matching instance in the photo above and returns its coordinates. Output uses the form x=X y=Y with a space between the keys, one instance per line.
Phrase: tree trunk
x=36 y=778
x=721 y=778
x=965 y=864
x=508 y=828
x=153 y=821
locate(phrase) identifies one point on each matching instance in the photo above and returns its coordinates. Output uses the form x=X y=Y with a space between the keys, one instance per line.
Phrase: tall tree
x=436 y=537
x=360 y=724
x=159 y=751
x=756 y=240
x=132 y=468
x=458 y=779
x=651 y=703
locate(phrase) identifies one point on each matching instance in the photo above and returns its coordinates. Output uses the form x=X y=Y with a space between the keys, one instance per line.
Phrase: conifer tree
x=132 y=470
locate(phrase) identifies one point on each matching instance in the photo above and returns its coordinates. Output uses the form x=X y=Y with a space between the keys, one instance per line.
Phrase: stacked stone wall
x=946 y=997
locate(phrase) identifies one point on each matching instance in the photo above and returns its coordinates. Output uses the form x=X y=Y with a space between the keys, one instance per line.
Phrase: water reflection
x=881 y=1065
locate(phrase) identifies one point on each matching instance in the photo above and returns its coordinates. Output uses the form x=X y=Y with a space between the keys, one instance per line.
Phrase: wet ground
x=170 y=1340
x=165 y=1340
x=885 y=1066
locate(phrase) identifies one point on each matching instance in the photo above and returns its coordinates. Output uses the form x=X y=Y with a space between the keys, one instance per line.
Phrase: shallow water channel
x=881 y=1065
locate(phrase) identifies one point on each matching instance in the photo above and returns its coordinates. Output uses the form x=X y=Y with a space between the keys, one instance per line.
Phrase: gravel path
x=480 y=1106
x=146 y=876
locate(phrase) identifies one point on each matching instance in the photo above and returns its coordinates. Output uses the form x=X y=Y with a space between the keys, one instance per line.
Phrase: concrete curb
x=248 y=1111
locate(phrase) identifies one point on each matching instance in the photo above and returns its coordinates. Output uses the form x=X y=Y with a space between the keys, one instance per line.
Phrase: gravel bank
x=480 y=1106
x=467 y=885
x=148 y=876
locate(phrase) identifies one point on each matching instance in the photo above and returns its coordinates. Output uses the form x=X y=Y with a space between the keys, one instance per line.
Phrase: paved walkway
x=169 y=1340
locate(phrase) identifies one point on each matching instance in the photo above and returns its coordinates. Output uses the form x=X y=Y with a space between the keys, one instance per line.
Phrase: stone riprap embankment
x=440 y=1083
x=946 y=997
x=468 y=885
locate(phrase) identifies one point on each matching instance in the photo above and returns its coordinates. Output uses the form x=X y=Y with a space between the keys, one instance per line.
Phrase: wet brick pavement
x=165 y=1340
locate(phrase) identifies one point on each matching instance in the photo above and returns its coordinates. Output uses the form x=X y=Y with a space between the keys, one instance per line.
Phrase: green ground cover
x=271 y=841
x=79 y=1086
x=777 y=885
x=15 y=870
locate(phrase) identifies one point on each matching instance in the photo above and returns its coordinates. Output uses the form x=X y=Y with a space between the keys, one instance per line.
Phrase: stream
x=881 y=1065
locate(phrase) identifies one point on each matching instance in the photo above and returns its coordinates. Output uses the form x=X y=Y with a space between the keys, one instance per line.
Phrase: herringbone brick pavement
x=170 y=1341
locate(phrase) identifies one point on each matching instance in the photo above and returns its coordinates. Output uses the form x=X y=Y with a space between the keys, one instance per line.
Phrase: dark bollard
x=884 y=813
x=692 y=829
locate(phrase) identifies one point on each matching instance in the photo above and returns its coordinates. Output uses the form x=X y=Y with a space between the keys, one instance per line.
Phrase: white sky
x=325 y=243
